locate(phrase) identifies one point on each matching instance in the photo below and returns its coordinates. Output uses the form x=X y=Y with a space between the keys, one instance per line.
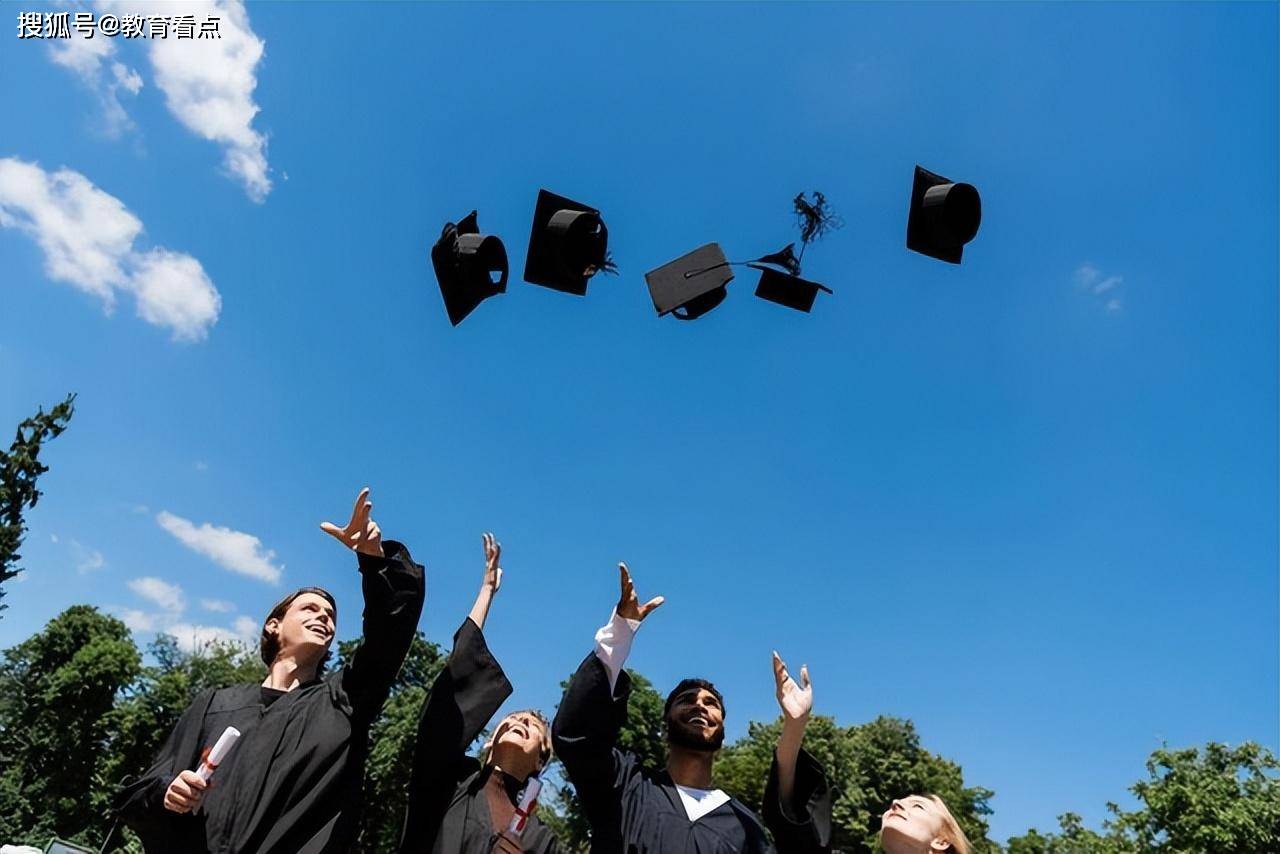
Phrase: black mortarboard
x=691 y=285
x=464 y=260
x=786 y=288
x=944 y=216
x=568 y=245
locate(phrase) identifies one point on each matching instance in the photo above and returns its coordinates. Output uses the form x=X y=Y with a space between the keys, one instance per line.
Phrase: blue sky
x=1029 y=502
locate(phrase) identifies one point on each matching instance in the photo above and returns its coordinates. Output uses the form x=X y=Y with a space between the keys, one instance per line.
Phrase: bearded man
x=676 y=809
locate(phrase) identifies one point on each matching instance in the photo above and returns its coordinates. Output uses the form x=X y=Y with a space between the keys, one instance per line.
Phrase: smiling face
x=695 y=719
x=306 y=628
x=521 y=744
x=916 y=824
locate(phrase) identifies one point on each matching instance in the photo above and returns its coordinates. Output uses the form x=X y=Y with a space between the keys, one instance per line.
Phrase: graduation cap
x=944 y=216
x=568 y=245
x=470 y=267
x=780 y=280
x=692 y=284
x=785 y=286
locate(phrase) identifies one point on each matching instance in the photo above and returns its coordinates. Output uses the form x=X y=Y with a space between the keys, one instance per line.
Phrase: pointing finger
x=355 y=511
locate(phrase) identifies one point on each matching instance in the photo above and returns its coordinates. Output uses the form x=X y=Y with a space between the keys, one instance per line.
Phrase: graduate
x=921 y=824
x=458 y=804
x=675 y=809
x=292 y=783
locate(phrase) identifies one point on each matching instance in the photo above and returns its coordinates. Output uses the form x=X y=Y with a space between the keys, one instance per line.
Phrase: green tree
x=868 y=765
x=57 y=690
x=391 y=744
x=1218 y=798
x=20 y=467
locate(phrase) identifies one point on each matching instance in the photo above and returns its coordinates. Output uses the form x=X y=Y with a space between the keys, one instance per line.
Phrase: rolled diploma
x=221 y=748
x=527 y=796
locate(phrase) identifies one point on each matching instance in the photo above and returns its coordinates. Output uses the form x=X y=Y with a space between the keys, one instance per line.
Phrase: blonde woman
x=921 y=824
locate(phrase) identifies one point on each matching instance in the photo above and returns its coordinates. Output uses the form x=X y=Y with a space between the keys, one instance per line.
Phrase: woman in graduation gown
x=675 y=809
x=458 y=804
x=292 y=782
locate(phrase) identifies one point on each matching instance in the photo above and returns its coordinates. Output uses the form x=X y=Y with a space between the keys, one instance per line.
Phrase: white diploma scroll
x=217 y=753
x=528 y=796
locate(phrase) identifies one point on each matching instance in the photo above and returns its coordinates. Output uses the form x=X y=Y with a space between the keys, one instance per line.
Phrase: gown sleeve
x=466 y=694
x=802 y=826
x=585 y=735
x=140 y=803
x=394 y=588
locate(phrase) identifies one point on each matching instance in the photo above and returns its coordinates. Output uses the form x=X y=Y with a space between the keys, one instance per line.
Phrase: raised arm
x=394 y=588
x=464 y=697
x=491 y=582
x=585 y=731
x=797 y=800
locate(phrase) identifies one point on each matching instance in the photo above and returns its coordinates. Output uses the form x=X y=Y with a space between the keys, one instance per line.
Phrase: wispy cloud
x=201 y=465
x=160 y=593
x=88 y=236
x=233 y=550
x=169 y=619
x=208 y=84
x=93 y=62
x=87 y=559
x=218 y=606
x=1104 y=287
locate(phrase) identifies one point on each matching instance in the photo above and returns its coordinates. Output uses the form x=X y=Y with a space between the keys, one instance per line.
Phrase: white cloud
x=1106 y=288
x=169 y=619
x=92 y=61
x=140 y=621
x=193 y=638
x=87 y=236
x=87 y=559
x=53 y=537
x=1087 y=274
x=174 y=291
x=219 y=606
x=208 y=84
x=233 y=550
x=201 y=465
x=160 y=593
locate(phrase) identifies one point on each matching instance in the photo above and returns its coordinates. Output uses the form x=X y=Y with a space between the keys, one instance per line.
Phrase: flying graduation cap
x=944 y=216
x=568 y=245
x=780 y=280
x=693 y=284
x=470 y=267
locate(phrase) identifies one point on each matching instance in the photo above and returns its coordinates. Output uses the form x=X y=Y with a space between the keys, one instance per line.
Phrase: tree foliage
x=20 y=468
x=391 y=744
x=57 y=692
x=1219 y=799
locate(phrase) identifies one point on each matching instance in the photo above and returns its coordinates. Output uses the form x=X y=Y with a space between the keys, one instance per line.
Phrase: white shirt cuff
x=613 y=644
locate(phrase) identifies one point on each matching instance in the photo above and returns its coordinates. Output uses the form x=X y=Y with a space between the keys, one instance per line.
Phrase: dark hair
x=685 y=685
x=269 y=645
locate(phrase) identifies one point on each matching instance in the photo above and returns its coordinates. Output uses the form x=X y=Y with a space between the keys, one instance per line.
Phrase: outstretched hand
x=796 y=700
x=362 y=533
x=629 y=603
x=492 y=572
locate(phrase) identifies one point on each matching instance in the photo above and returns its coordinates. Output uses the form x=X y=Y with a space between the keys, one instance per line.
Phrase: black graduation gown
x=639 y=811
x=448 y=810
x=293 y=781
